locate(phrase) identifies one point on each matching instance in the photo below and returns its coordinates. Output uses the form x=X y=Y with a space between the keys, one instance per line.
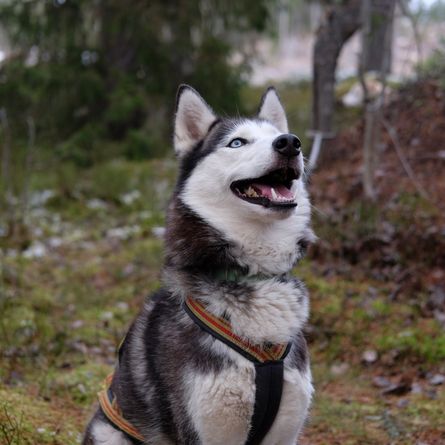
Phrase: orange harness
x=110 y=408
x=221 y=329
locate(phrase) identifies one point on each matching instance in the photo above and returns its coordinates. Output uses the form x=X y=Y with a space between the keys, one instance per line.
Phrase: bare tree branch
x=392 y=132
x=404 y=7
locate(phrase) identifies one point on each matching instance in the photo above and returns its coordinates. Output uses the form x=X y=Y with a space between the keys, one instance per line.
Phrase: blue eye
x=237 y=143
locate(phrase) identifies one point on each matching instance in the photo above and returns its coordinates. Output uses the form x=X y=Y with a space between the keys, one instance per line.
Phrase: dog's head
x=242 y=176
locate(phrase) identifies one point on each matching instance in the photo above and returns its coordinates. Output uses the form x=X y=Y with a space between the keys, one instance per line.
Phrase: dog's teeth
x=251 y=192
x=294 y=189
x=274 y=195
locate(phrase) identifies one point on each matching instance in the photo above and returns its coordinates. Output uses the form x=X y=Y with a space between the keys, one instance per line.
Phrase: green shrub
x=141 y=145
x=82 y=147
x=125 y=109
x=434 y=66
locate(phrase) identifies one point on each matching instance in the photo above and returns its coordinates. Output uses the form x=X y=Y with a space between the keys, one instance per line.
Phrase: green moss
x=381 y=307
x=424 y=411
x=426 y=343
x=352 y=417
x=79 y=384
x=26 y=420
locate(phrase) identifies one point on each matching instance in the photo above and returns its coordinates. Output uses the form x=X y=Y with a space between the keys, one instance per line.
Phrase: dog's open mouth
x=271 y=190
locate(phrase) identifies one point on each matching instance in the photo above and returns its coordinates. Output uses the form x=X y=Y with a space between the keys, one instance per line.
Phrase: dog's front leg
x=101 y=432
x=221 y=404
x=295 y=401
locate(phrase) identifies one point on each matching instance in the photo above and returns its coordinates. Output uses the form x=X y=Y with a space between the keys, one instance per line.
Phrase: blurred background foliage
x=94 y=72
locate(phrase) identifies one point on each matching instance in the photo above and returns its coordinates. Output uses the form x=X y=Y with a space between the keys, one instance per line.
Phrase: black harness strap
x=268 y=379
x=269 y=387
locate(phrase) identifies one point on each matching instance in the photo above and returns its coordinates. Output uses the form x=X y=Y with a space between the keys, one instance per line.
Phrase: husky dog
x=240 y=208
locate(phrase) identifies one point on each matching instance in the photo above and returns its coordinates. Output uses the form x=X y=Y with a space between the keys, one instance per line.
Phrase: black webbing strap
x=269 y=387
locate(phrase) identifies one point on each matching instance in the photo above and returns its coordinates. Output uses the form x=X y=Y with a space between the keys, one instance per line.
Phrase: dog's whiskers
x=319 y=211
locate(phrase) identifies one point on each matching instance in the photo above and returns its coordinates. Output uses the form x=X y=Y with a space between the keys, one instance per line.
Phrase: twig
x=402 y=158
x=6 y=165
x=28 y=165
x=414 y=24
x=6 y=152
x=368 y=179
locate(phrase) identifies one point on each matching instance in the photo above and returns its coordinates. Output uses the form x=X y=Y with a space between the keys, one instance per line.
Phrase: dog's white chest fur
x=221 y=406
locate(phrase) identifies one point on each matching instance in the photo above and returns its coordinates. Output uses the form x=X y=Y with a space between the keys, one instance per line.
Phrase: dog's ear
x=272 y=110
x=192 y=120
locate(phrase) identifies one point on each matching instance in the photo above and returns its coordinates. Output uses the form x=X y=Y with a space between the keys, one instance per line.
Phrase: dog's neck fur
x=260 y=310
x=194 y=246
x=191 y=244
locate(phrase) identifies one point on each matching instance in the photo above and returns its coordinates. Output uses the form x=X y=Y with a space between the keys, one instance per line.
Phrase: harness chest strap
x=268 y=361
x=221 y=329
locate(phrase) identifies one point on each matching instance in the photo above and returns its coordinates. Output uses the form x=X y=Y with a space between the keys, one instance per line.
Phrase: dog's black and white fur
x=175 y=383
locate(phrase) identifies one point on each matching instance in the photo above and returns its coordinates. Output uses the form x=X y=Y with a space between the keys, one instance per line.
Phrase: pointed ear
x=271 y=110
x=192 y=120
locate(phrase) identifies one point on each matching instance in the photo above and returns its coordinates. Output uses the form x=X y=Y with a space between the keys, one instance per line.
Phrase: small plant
x=10 y=426
x=434 y=66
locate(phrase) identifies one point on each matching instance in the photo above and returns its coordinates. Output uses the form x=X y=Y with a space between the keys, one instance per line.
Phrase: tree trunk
x=377 y=18
x=339 y=24
x=116 y=40
x=377 y=30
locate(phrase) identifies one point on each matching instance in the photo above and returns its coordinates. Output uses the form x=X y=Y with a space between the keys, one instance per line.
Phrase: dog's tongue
x=280 y=190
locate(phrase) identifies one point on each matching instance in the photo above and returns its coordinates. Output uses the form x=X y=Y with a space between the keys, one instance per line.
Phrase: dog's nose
x=287 y=145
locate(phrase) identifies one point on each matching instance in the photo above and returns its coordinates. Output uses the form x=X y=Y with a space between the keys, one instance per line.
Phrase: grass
x=28 y=420
x=355 y=309
x=348 y=409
